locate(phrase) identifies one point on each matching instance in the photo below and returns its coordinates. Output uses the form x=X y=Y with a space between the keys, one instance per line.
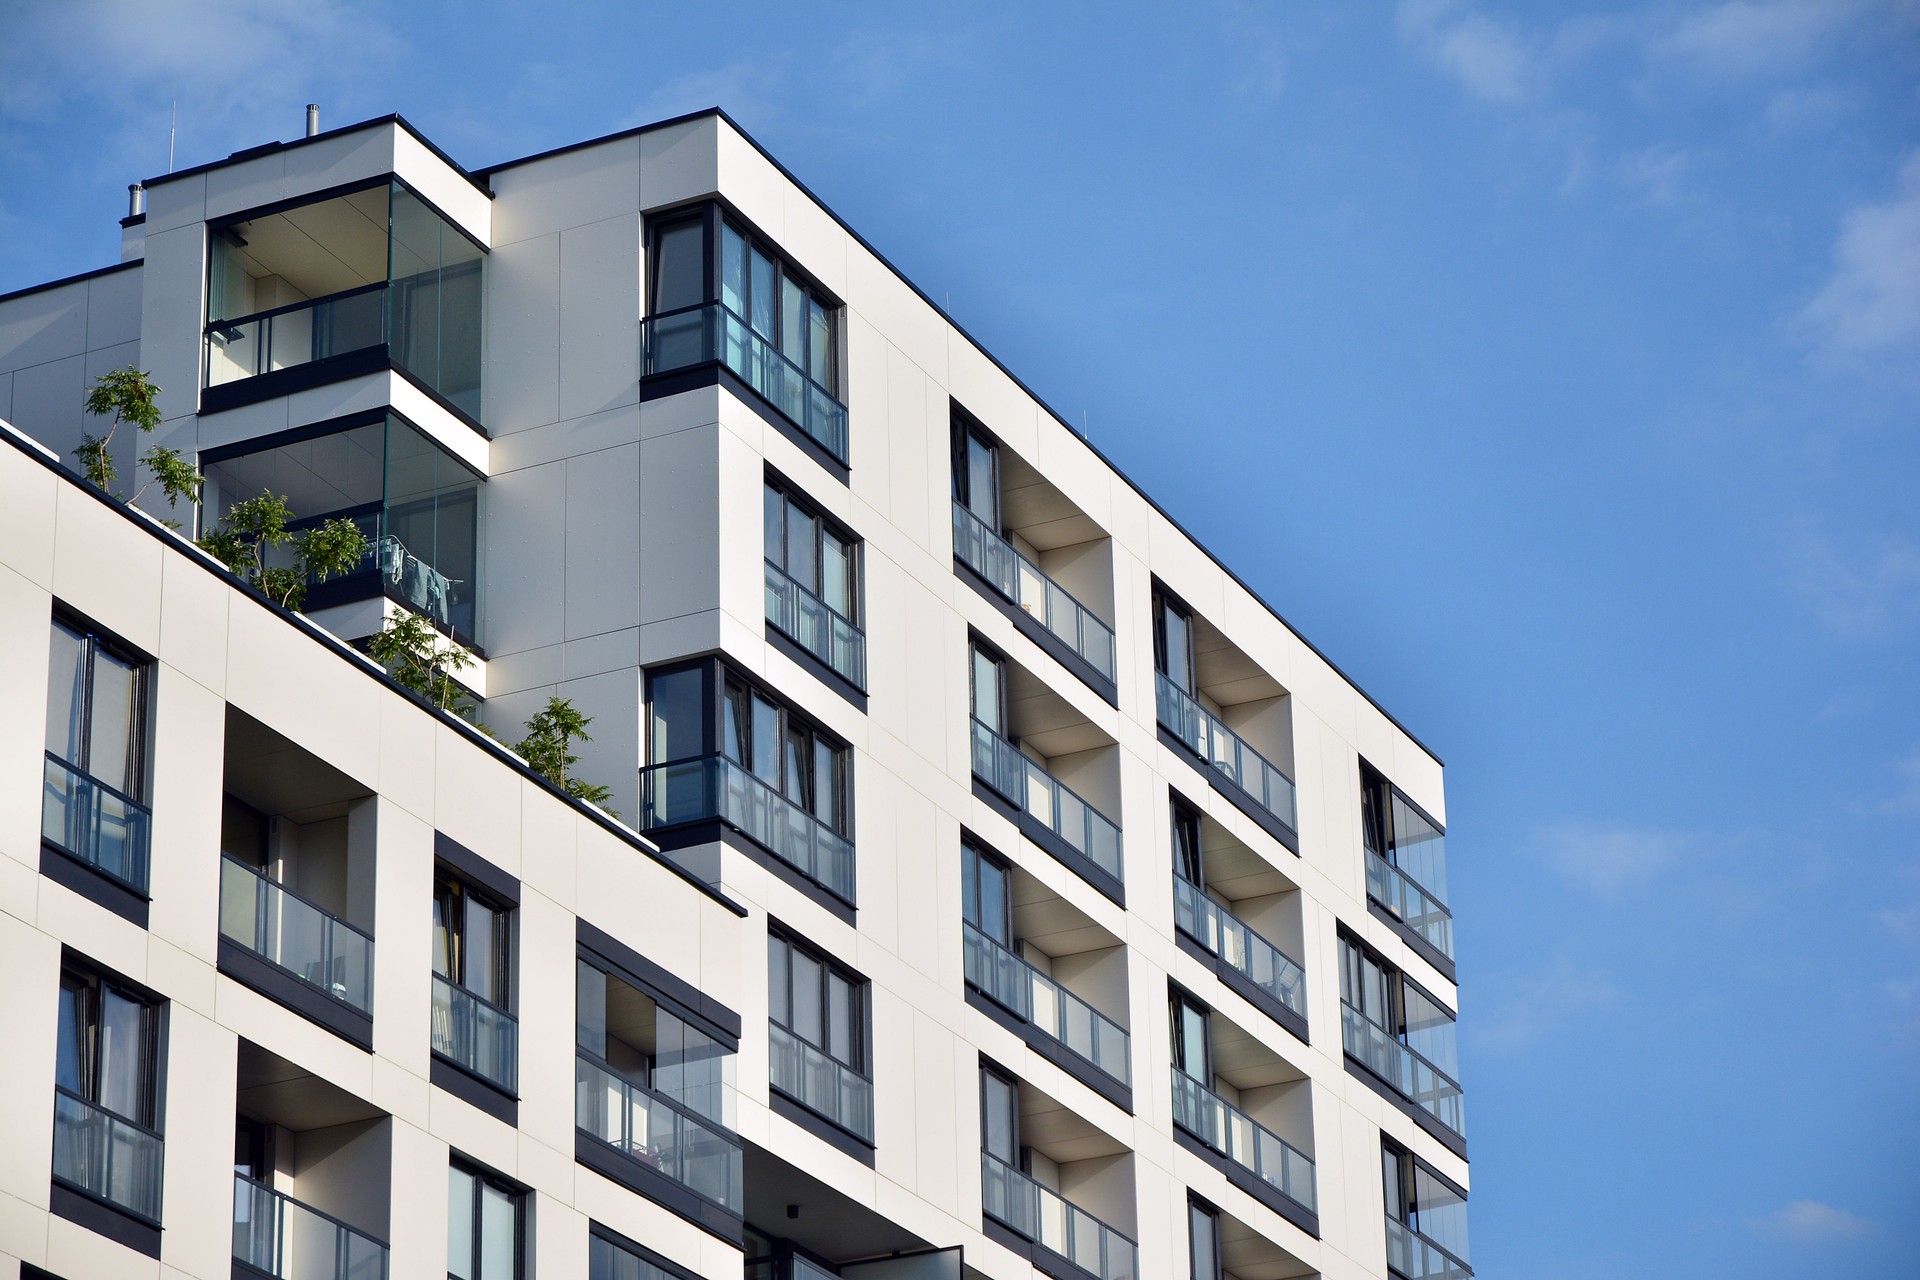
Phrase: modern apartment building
x=991 y=885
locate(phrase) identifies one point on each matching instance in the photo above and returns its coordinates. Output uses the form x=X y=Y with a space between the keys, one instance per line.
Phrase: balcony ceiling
x=1246 y=1062
x=280 y=779
x=322 y=248
x=1248 y=1255
x=1045 y=721
x=1226 y=674
x=1039 y=513
x=1060 y=1133
x=1051 y=923
x=270 y=1088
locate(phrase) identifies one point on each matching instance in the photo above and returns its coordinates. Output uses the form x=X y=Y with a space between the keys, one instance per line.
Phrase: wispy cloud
x=1871 y=301
x=1858 y=591
x=1810 y=1221
x=1748 y=37
x=1491 y=59
x=1608 y=859
x=1657 y=174
x=1521 y=1012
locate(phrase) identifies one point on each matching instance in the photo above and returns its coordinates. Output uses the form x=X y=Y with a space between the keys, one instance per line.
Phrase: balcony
x=1038 y=1000
x=659 y=1134
x=1042 y=1215
x=715 y=788
x=106 y=1156
x=710 y=334
x=1227 y=938
x=95 y=825
x=1412 y=905
x=1405 y=1070
x=1023 y=585
x=339 y=288
x=276 y=1235
x=820 y=1084
x=295 y=935
x=1207 y=736
x=1252 y=1146
x=1050 y=803
x=813 y=624
x=1414 y=1257
x=475 y=1035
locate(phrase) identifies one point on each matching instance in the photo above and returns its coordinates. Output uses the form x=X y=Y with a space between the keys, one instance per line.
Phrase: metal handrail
x=670 y=1155
x=263 y=931
x=503 y=1070
x=1401 y=1065
x=1092 y=638
x=1245 y=1141
x=831 y=434
x=788 y=621
x=1234 y=941
x=229 y=322
x=1407 y=899
x=1035 y=998
x=264 y=1245
x=88 y=1146
x=136 y=820
x=1205 y=734
x=1039 y=1213
x=734 y=794
x=1024 y=783
x=803 y=1072
x=1419 y=1257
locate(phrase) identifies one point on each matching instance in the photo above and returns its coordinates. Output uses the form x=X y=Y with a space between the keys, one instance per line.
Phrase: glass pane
x=496 y=1234
x=678 y=717
x=764 y=741
x=1206 y=1261
x=773 y=524
x=70 y=1055
x=66 y=694
x=1390 y=1182
x=123 y=1056
x=799 y=769
x=820 y=363
x=801 y=534
x=733 y=729
x=827 y=785
x=480 y=965
x=1439 y=1213
x=996 y=1118
x=444 y=905
x=112 y=753
x=806 y=998
x=779 y=980
x=993 y=903
x=793 y=322
x=842 y=1042
x=590 y=1009
x=760 y=291
x=733 y=271
x=459 y=1224
x=1179 y=649
x=983 y=494
x=836 y=574
x=970 y=887
x=679 y=267
x=986 y=691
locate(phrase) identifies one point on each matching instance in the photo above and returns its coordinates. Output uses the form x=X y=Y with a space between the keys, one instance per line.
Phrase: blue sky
x=1554 y=368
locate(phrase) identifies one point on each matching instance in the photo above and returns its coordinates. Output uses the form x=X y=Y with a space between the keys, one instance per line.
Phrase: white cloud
x=1490 y=59
x=1812 y=1221
x=1871 y=302
x=1609 y=859
x=1748 y=37
x=1525 y=1009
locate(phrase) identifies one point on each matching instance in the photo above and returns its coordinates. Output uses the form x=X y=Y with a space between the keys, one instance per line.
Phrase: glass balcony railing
x=705 y=334
x=692 y=1151
x=475 y=1034
x=106 y=1156
x=308 y=942
x=300 y=333
x=1032 y=996
x=1208 y=737
x=1415 y=1257
x=818 y=1083
x=276 y=1234
x=716 y=787
x=1006 y=769
x=92 y=823
x=1021 y=581
x=1225 y=935
x=1041 y=1214
x=1399 y=893
x=812 y=623
x=1244 y=1140
x=1410 y=1074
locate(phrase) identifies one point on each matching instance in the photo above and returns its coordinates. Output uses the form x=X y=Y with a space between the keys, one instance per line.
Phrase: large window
x=485 y=1230
x=818 y=1013
x=986 y=901
x=94 y=803
x=1173 y=642
x=976 y=475
x=1203 y=1235
x=106 y=1117
x=610 y=1258
x=421 y=509
x=721 y=293
x=1400 y=1034
x=472 y=966
x=372 y=271
x=1429 y=1208
x=813 y=582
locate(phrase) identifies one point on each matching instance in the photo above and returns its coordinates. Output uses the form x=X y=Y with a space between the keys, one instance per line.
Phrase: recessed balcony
x=1414 y=1257
x=1241 y=914
x=1401 y=1041
x=1064 y=1193
x=475 y=1034
x=1406 y=855
x=1018 y=580
x=816 y=1081
x=341 y=287
x=297 y=846
x=1410 y=1073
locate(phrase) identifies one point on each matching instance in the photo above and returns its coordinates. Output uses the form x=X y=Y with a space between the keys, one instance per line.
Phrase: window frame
x=1165 y=602
x=1183 y=816
x=463 y=891
x=859 y=998
x=978 y=649
x=94 y=979
x=965 y=433
x=1012 y=1083
x=93 y=640
x=482 y=1178
x=792 y=495
x=1197 y=1209
x=973 y=858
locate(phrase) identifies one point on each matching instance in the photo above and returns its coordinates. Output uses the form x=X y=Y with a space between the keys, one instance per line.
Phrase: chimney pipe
x=313 y=119
x=136 y=199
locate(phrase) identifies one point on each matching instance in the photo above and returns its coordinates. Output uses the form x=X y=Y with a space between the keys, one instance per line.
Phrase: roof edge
x=268 y=148
x=78 y=278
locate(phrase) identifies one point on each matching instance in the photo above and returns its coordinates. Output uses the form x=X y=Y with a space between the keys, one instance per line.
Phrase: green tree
x=419 y=658
x=128 y=396
x=253 y=528
x=550 y=734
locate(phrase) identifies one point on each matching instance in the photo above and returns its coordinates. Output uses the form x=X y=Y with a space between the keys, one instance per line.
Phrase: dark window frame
x=791 y=494
x=967 y=430
x=1188 y=854
x=96 y=980
x=1397 y=983
x=974 y=858
x=1164 y=601
x=979 y=647
x=1199 y=1208
x=461 y=888
x=484 y=1177
x=859 y=998
x=94 y=639
x=1179 y=1001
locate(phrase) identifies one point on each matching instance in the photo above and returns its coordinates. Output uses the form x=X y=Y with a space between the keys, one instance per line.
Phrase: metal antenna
x=173 y=127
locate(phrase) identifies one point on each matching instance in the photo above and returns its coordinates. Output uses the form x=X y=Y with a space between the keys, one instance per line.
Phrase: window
x=1173 y=641
x=1395 y=829
x=791 y=757
x=1186 y=844
x=976 y=475
x=106 y=1120
x=470 y=940
x=984 y=898
x=1422 y=1201
x=999 y=1117
x=484 y=1228
x=608 y=1259
x=780 y=307
x=818 y=1001
x=1384 y=996
x=807 y=549
x=987 y=687
x=1203 y=1231
x=96 y=766
x=1192 y=1052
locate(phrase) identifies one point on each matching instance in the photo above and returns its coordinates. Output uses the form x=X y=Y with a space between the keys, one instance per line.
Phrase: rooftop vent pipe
x=313 y=119
x=136 y=199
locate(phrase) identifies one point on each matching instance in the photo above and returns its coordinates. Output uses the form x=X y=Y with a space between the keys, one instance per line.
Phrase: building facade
x=990 y=883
